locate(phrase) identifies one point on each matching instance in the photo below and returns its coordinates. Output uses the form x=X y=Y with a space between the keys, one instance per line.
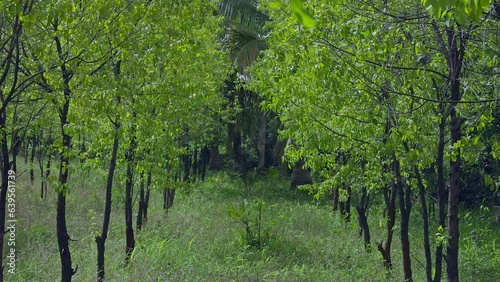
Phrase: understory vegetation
x=199 y=240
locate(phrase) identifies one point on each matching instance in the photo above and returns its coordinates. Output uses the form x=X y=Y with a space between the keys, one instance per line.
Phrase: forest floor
x=203 y=237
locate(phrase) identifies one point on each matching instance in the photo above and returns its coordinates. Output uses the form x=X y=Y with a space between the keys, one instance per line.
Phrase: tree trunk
x=334 y=198
x=16 y=139
x=5 y=183
x=345 y=207
x=101 y=239
x=10 y=65
x=441 y=185
x=186 y=161
x=195 y=164
x=168 y=199
x=215 y=162
x=390 y=204
x=300 y=175
x=425 y=219
x=205 y=160
x=146 y=200
x=456 y=54
x=142 y=200
x=47 y=172
x=453 y=194
x=362 y=209
x=404 y=195
x=42 y=175
x=129 y=229
x=62 y=234
x=32 y=159
x=26 y=149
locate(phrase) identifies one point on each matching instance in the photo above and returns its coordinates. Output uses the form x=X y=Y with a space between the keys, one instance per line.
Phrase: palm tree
x=244 y=40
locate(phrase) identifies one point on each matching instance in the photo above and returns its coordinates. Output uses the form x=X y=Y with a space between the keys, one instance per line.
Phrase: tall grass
x=199 y=241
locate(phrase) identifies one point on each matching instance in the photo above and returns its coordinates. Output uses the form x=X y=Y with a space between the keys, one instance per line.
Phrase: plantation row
x=380 y=102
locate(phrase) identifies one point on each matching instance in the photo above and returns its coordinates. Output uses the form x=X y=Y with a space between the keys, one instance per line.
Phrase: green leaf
x=276 y=4
x=302 y=15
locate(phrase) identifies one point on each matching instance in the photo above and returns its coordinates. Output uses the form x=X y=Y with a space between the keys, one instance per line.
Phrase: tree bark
x=129 y=229
x=334 y=198
x=146 y=200
x=362 y=209
x=32 y=159
x=345 y=207
x=205 y=160
x=62 y=234
x=425 y=220
x=441 y=185
x=42 y=175
x=456 y=54
x=5 y=184
x=453 y=200
x=168 y=199
x=215 y=162
x=101 y=239
x=142 y=200
x=390 y=204
x=404 y=195
x=195 y=163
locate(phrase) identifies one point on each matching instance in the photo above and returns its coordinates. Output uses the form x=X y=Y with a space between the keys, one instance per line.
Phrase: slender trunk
x=129 y=229
x=42 y=175
x=62 y=233
x=16 y=139
x=404 y=195
x=345 y=207
x=187 y=165
x=456 y=41
x=441 y=185
x=425 y=219
x=390 y=204
x=195 y=164
x=146 y=200
x=453 y=194
x=205 y=159
x=5 y=184
x=32 y=159
x=334 y=198
x=168 y=199
x=26 y=150
x=140 y=210
x=362 y=209
x=215 y=162
x=101 y=238
x=11 y=65
x=47 y=173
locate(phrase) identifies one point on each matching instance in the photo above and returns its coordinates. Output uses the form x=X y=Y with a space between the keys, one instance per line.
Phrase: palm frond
x=244 y=12
x=248 y=54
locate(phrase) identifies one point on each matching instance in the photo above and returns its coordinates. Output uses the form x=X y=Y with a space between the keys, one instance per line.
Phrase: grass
x=199 y=241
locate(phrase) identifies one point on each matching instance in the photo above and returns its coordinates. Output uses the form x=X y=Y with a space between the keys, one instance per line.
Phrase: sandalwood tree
x=371 y=86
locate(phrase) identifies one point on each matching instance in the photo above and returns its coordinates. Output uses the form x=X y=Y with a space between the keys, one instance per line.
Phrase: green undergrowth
x=202 y=240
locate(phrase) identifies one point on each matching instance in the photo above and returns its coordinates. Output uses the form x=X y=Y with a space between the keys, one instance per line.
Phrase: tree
x=13 y=15
x=364 y=84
